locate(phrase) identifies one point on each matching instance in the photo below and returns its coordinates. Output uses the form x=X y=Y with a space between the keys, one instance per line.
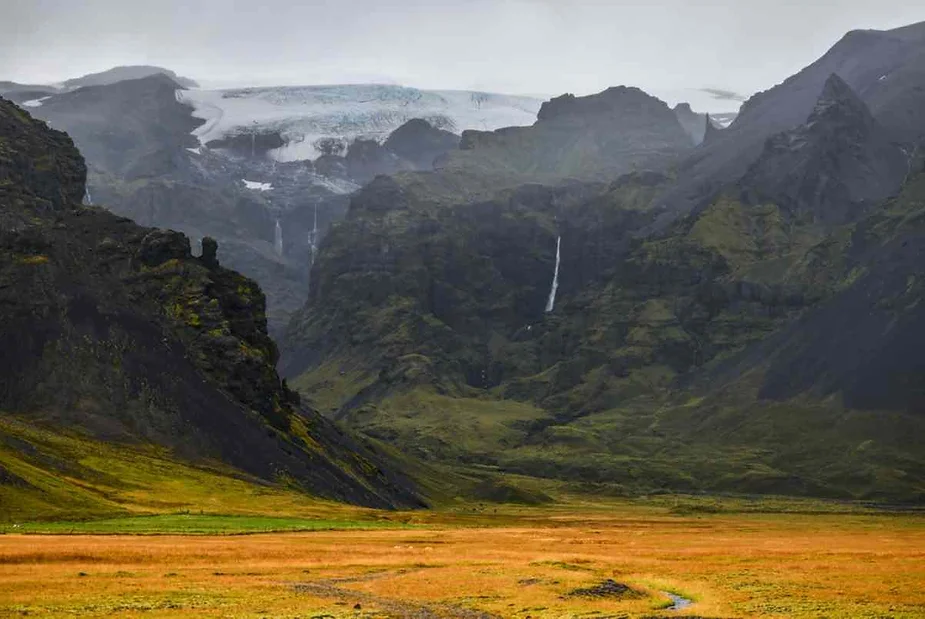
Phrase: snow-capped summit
x=303 y=116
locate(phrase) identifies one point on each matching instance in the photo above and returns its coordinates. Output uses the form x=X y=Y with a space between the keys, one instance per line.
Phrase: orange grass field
x=526 y=566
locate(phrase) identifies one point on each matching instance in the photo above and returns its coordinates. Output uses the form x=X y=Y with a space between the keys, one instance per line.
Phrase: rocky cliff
x=117 y=331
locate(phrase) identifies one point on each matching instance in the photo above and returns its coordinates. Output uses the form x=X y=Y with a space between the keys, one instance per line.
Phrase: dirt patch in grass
x=608 y=589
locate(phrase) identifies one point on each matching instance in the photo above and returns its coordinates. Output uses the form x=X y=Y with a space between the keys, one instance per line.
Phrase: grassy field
x=542 y=563
x=193 y=524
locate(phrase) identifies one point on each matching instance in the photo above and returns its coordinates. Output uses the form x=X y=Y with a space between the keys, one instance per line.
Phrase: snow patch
x=36 y=102
x=257 y=186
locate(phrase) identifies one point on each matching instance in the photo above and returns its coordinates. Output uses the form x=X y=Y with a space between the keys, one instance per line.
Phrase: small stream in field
x=678 y=602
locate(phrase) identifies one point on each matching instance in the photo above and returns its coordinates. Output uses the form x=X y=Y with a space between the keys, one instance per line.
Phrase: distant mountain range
x=603 y=291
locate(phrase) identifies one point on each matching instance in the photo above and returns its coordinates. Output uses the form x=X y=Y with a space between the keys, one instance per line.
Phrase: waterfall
x=551 y=303
x=87 y=199
x=314 y=237
x=312 y=247
x=278 y=239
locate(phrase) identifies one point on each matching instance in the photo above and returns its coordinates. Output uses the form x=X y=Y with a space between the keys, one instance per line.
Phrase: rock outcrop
x=695 y=124
x=420 y=143
x=832 y=168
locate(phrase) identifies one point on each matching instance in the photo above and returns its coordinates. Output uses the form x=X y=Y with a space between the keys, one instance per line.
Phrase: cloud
x=518 y=46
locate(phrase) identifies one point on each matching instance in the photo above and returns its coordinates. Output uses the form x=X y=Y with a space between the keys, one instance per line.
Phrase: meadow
x=595 y=560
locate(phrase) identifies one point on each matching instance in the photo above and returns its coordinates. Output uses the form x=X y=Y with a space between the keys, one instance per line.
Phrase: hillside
x=883 y=68
x=118 y=333
x=761 y=342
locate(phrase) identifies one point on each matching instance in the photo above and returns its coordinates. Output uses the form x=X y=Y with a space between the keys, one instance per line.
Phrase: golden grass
x=520 y=564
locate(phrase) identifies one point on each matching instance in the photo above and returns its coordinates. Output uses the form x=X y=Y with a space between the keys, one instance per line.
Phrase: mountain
x=761 y=339
x=117 y=332
x=882 y=67
x=594 y=137
x=267 y=215
x=837 y=164
x=121 y=74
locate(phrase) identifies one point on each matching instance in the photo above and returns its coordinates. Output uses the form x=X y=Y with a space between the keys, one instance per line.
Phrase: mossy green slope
x=659 y=368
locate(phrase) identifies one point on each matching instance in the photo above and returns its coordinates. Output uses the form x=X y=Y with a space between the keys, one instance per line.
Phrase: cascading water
x=278 y=239
x=551 y=303
x=88 y=200
x=312 y=247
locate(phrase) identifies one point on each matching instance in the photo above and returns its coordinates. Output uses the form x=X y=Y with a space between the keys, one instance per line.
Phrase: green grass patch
x=194 y=524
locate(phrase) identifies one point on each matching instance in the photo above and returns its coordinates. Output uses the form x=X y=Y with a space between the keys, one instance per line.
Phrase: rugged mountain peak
x=613 y=101
x=711 y=130
x=38 y=162
x=694 y=124
x=839 y=103
x=833 y=166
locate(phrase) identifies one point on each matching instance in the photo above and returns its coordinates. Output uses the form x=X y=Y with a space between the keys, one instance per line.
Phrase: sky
x=671 y=48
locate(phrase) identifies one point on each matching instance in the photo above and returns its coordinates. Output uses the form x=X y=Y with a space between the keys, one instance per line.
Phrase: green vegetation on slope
x=192 y=524
x=51 y=475
x=659 y=369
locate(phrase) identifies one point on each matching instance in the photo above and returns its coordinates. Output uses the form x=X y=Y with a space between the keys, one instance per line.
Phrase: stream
x=678 y=602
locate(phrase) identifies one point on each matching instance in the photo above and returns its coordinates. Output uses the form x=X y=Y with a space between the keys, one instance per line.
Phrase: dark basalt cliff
x=116 y=330
x=833 y=167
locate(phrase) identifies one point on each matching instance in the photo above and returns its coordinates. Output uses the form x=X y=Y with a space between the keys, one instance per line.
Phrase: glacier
x=305 y=115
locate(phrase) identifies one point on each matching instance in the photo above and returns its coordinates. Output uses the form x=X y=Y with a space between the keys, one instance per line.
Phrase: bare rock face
x=833 y=167
x=420 y=143
x=39 y=167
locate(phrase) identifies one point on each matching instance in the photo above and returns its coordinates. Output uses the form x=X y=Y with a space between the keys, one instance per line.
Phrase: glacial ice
x=303 y=115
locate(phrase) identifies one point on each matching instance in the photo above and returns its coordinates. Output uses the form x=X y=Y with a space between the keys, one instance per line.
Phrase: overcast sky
x=515 y=46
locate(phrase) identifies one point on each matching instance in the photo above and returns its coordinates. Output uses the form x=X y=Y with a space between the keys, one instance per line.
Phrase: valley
x=609 y=558
x=373 y=351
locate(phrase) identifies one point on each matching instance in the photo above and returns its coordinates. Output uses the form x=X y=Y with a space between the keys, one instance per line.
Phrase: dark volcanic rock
x=116 y=330
x=833 y=167
x=420 y=143
x=366 y=159
x=250 y=144
x=39 y=169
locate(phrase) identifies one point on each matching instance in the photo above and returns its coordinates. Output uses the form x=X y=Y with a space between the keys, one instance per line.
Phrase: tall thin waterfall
x=278 y=239
x=312 y=247
x=88 y=200
x=551 y=303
